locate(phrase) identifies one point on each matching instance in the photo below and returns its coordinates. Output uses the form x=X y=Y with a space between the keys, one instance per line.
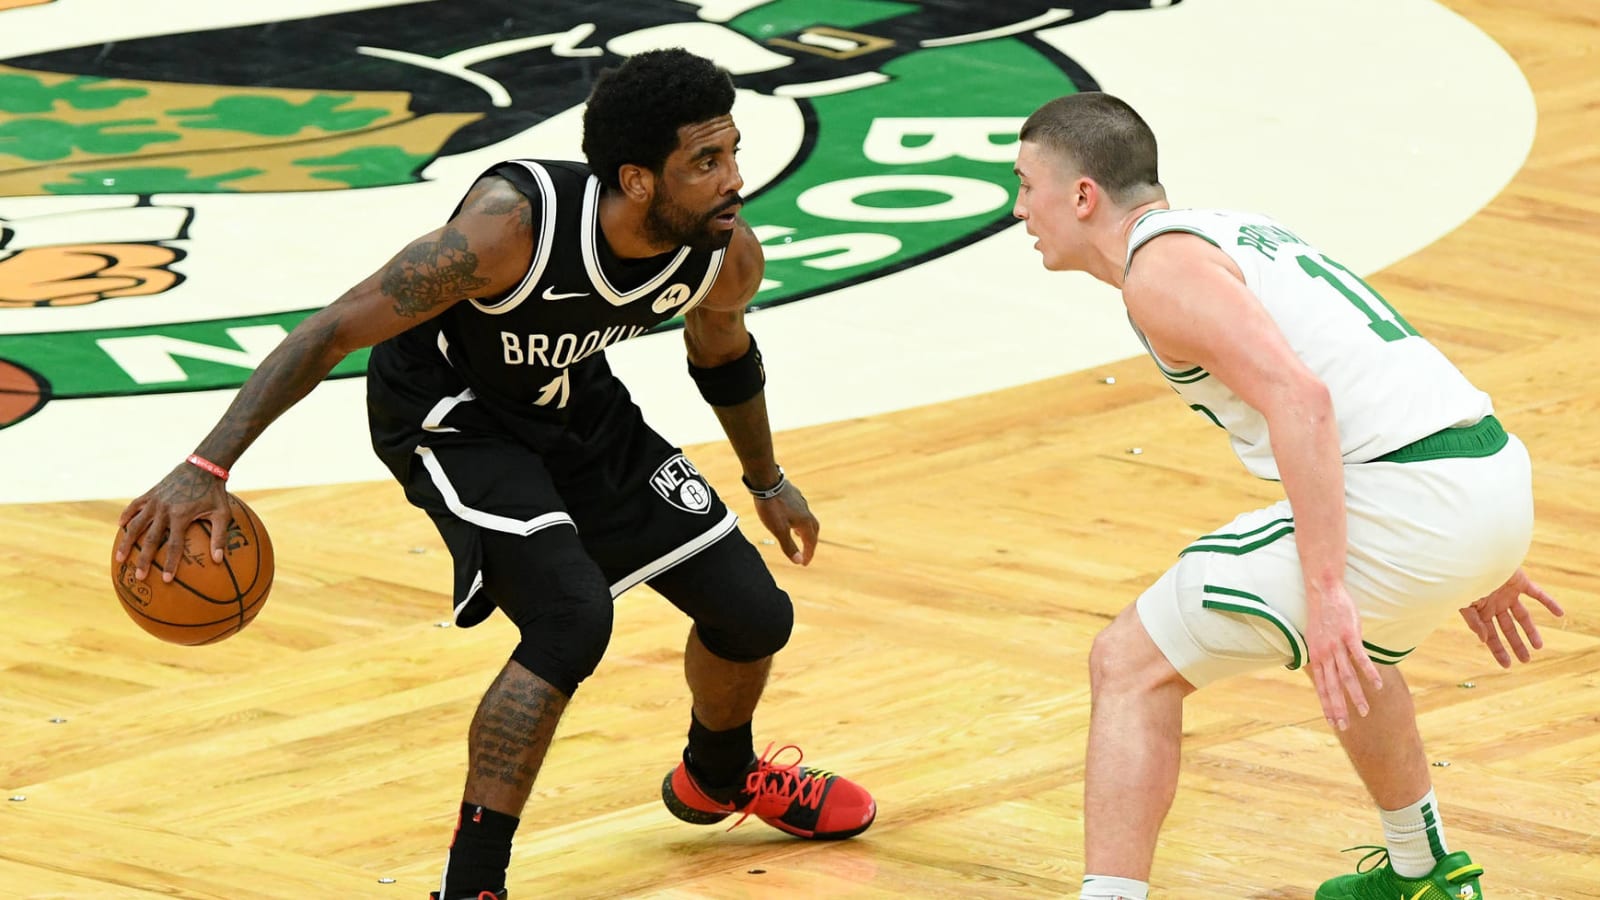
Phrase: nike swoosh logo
x=549 y=294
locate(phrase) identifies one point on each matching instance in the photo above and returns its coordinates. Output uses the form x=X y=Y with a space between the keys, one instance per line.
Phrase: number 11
x=1391 y=328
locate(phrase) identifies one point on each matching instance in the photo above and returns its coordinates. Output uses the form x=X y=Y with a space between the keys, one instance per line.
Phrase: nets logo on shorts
x=681 y=484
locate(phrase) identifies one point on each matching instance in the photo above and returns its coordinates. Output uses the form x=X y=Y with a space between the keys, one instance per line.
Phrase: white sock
x=1415 y=837
x=1105 y=887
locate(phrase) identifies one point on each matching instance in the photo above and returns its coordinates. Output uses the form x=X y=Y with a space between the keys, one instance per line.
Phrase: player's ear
x=1086 y=196
x=637 y=182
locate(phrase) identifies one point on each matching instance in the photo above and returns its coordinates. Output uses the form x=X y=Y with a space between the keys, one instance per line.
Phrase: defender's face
x=697 y=199
x=1046 y=202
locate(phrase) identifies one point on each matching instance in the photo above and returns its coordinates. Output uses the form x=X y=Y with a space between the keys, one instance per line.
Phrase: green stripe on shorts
x=1213 y=543
x=1385 y=657
x=1251 y=605
x=1286 y=520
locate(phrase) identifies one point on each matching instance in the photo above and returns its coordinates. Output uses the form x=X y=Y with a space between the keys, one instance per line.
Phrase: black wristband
x=731 y=383
x=766 y=493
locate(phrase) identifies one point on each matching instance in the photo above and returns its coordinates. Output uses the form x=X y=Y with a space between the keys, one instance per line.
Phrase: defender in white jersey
x=1405 y=497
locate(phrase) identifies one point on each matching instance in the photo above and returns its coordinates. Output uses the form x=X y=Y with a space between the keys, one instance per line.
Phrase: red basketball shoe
x=801 y=800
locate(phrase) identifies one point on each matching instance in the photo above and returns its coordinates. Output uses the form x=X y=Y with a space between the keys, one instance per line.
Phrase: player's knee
x=564 y=646
x=1102 y=659
x=740 y=614
x=1123 y=658
x=558 y=599
x=755 y=628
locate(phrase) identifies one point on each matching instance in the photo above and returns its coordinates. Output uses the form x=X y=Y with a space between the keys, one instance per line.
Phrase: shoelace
x=1380 y=857
x=1381 y=854
x=786 y=782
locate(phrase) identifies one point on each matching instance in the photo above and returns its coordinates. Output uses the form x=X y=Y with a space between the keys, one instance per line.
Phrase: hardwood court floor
x=971 y=552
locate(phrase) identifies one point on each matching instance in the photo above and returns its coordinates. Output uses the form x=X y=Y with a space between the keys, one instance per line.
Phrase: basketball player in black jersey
x=490 y=400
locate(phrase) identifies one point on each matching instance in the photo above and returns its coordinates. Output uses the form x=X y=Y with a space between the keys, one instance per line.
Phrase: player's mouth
x=727 y=216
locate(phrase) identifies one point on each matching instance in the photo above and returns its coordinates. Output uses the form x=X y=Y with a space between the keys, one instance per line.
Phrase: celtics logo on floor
x=180 y=190
x=182 y=187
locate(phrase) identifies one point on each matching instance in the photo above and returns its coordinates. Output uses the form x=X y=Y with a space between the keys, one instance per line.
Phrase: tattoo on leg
x=510 y=735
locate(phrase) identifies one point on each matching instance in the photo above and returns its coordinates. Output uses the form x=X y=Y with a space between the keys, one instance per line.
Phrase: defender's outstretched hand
x=1502 y=611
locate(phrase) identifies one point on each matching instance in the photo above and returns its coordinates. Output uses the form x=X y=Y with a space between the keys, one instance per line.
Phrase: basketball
x=21 y=393
x=204 y=602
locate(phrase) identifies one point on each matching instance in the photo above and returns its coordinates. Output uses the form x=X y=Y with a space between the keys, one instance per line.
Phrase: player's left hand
x=1337 y=657
x=787 y=515
x=1503 y=607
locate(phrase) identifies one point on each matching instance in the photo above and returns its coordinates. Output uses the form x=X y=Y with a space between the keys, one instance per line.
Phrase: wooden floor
x=971 y=552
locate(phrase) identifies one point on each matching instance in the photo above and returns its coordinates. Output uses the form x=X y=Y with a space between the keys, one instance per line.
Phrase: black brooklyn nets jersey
x=538 y=351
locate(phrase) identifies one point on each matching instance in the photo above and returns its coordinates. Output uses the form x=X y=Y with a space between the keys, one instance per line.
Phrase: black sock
x=719 y=759
x=480 y=852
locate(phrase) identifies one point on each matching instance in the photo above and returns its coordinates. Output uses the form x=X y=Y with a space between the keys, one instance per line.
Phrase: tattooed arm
x=481 y=252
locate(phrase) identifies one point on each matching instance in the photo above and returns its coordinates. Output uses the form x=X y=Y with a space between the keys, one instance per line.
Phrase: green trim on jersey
x=1185 y=229
x=1251 y=605
x=1187 y=376
x=1147 y=214
x=1160 y=231
x=1219 y=543
x=1486 y=438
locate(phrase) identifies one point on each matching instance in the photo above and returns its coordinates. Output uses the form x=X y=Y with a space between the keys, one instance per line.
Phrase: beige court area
x=970 y=553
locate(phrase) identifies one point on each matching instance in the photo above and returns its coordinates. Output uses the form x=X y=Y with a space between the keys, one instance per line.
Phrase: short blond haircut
x=1103 y=137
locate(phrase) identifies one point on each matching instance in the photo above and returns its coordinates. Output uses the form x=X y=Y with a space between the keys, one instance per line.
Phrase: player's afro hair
x=636 y=109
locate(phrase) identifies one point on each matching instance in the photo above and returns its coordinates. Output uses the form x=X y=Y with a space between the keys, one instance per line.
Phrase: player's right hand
x=1336 y=657
x=1503 y=607
x=186 y=495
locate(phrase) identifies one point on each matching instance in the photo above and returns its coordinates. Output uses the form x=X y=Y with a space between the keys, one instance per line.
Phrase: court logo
x=681 y=484
x=910 y=112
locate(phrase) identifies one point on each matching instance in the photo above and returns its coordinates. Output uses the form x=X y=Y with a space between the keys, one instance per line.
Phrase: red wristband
x=196 y=459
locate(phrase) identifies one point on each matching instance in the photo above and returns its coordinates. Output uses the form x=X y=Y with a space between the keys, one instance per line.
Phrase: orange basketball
x=205 y=602
x=22 y=393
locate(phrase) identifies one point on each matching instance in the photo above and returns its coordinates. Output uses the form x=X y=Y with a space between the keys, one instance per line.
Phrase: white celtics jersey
x=1389 y=386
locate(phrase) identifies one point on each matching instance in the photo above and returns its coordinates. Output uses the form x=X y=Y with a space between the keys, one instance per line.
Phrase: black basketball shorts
x=639 y=505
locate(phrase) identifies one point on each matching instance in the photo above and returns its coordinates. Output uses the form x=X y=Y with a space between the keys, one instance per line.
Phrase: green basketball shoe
x=1453 y=878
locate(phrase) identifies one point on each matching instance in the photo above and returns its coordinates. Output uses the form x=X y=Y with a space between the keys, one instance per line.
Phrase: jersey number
x=557 y=390
x=1391 y=327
